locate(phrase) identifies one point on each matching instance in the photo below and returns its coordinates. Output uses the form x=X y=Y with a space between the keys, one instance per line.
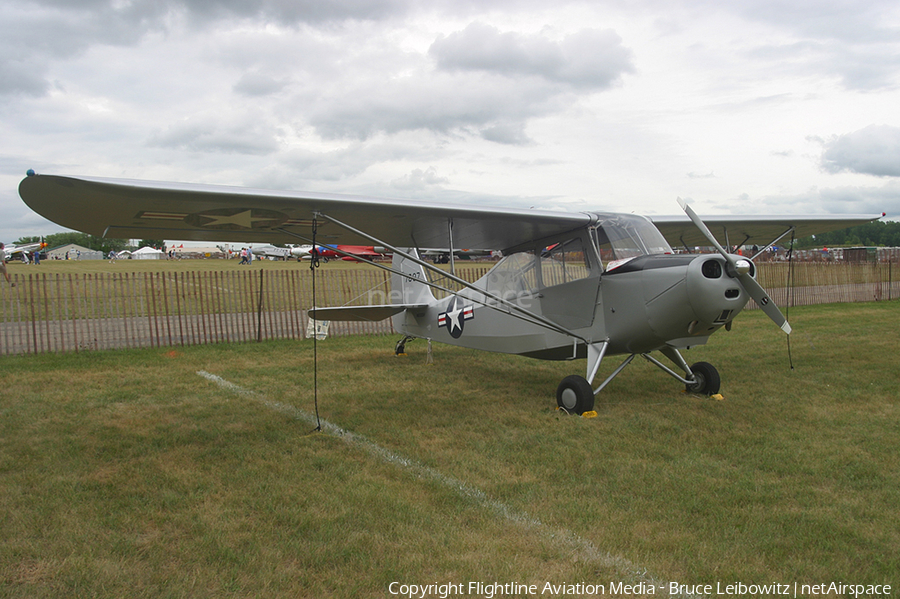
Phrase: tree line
x=91 y=242
x=877 y=233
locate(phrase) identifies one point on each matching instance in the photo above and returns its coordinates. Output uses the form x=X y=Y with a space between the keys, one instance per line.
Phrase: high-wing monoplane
x=570 y=285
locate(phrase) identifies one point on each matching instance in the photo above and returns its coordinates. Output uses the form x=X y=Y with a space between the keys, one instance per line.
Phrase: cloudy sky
x=744 y=107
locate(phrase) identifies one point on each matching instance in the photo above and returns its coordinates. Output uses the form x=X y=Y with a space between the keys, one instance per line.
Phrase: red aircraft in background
x=329 y=252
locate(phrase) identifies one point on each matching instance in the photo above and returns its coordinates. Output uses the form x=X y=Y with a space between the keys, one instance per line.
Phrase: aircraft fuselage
x=645 y=304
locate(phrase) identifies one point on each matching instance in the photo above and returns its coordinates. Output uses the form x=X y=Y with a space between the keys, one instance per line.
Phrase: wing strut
x=774 y=241
x=495 y=298
x=450 y=237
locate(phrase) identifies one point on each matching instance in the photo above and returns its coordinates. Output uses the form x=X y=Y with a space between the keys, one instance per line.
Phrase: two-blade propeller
x=741 y=268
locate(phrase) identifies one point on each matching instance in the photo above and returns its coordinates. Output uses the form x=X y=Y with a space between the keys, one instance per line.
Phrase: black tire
x=707 y=379
x=575 y=395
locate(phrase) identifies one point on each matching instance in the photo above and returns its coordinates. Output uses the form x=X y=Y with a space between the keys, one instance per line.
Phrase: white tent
x=72 y=251
x=147 y=253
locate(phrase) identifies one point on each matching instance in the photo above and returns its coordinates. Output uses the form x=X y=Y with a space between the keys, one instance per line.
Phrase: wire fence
x=76 y=312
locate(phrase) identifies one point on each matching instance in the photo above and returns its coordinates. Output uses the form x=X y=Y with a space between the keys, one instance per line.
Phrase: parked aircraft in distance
x=271 y=251
x=12 y=250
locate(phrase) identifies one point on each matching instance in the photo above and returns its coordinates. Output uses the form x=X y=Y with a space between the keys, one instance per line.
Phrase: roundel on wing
x=236 y=219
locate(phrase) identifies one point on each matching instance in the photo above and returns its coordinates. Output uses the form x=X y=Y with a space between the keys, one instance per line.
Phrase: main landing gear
x=706 y=379
x=575 y=394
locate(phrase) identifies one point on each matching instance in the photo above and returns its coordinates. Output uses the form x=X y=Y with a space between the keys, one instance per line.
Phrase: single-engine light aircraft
x=271 y=251
x=570 y=285
x=11 y=250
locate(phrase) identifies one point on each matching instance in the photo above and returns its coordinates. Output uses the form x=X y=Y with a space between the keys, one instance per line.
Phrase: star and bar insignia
x=456 y=316
x=229 y=219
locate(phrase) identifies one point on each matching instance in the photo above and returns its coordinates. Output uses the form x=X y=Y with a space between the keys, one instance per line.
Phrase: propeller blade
x=703 y=228
x=765 y=303
x=750 y=285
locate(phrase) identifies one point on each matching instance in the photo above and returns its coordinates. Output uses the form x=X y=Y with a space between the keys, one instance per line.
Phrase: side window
x=564 y=262
x=513 y=276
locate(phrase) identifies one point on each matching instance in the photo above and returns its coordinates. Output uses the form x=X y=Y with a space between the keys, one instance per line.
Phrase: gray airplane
x=570 y=285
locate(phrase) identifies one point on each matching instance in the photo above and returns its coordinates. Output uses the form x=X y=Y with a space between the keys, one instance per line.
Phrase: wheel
x=706 y=377
x=575 y=395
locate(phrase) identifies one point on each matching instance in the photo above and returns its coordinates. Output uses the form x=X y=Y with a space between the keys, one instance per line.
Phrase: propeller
x=741 y=267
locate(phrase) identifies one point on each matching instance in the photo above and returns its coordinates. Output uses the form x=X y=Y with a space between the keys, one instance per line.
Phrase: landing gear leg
x=702 y=377
x=575 y=394
x=400 y=348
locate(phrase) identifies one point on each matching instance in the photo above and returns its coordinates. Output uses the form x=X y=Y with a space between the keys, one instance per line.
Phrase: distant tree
x=24 y=240
x=89 y=241
x=58 y=239
x=878 y=233
x=154 y=243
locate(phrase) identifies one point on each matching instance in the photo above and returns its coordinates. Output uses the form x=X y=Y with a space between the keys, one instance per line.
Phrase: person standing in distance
x=3 y=265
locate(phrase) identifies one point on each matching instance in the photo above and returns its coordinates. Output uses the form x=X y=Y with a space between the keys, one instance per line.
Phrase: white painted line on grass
x=584 y=549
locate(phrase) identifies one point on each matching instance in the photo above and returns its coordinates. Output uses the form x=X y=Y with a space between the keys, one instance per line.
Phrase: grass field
x=128 y=474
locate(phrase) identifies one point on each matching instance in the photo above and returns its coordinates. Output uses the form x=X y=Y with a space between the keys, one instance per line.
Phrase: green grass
x=127 y=474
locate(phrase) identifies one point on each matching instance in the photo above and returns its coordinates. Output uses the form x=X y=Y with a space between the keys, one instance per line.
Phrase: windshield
x=625 y=236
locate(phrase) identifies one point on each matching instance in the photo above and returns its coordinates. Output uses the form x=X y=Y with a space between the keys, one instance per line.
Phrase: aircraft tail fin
x=411 y=287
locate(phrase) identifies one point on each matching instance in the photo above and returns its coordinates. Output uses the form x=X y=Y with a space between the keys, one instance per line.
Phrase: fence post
x=260 y=309
x=33 y=317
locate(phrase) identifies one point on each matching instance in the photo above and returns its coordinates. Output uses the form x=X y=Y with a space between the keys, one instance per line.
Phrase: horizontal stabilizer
x=367 y=313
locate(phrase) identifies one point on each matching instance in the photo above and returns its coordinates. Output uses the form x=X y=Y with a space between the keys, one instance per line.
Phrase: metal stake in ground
x=313 y=266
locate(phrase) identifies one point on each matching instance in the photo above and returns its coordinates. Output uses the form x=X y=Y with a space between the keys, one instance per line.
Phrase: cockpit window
x=526 y=272
x=512 y=277
x=564 y=262
x=623 y=237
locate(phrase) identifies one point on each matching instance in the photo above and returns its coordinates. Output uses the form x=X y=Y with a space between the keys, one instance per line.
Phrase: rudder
x=410 y=288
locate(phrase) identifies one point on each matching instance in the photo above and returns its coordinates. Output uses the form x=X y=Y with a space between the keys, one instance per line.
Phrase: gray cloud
x=34 y=33
x=257 y=84
x=874 y=150
x=865 y=67
x=862 y=200
x=859 y=42
x=209 y=134
x=590 y=59
x=149 y=13
x=292 y=12
x=827 y=200
x=482 y=82
x=343 y=163
x=845 y=20
x=419 y=180
x=437 y=102
x=20 y=77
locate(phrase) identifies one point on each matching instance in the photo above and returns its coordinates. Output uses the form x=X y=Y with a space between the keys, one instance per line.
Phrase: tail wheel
x=706 y=379
x=575 y=395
